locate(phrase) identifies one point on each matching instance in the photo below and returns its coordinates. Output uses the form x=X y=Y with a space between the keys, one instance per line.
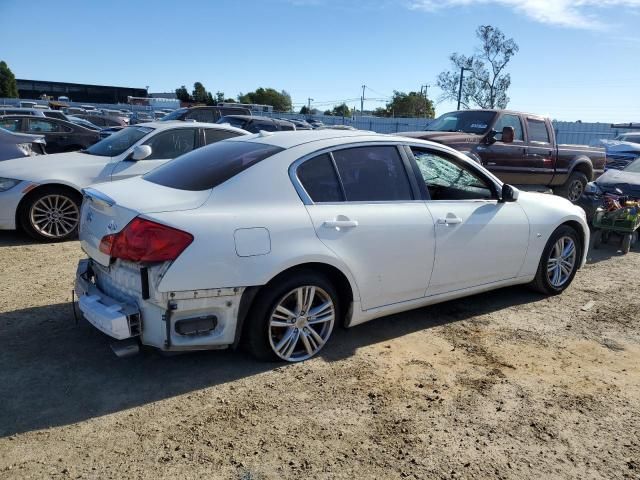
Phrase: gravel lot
x=502 y=385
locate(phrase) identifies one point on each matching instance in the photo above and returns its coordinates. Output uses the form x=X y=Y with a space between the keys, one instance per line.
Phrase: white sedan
x=274 y=239
x=42 y=195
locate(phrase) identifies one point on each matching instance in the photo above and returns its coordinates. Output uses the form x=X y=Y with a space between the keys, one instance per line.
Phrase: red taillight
x=146 y=241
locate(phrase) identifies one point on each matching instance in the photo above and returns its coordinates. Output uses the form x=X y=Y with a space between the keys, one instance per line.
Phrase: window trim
x=306 y=198
x=494 y=183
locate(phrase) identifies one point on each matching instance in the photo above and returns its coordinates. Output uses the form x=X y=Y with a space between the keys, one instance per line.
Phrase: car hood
x=627 y=182
x=46 y=167
x=446 y=138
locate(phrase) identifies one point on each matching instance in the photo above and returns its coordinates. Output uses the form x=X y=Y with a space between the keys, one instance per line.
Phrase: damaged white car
x=277 y=238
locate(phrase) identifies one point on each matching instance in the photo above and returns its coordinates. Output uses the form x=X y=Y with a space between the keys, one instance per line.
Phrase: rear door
x=540 y=157
x=478 y=239
x=165 y=145
x=59 y=137
x=367 y=210
x=506 y=160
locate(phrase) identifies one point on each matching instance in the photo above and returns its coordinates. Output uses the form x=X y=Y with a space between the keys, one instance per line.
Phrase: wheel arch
x=584 y=234
x=346 y=291
x=582 y=164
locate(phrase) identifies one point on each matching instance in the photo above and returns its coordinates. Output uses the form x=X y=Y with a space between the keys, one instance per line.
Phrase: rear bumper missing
x=111 y=299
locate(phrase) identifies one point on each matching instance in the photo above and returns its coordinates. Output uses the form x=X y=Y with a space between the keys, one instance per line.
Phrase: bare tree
x=485 y=83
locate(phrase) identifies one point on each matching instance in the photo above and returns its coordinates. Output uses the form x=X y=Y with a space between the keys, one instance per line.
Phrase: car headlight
x=7 y=183
x=592 y=188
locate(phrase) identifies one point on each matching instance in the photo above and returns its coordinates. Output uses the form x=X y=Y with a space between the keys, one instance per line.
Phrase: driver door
x=165 y=145
x=479 y=240
x=506 y=160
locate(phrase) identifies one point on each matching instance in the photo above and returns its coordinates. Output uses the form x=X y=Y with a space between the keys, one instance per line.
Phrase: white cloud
x=566 y=13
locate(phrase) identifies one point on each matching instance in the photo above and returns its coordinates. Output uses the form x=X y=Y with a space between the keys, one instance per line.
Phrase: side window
x=202 y=115
x=510 y=121
x=287 y=126
x=319 y=179
x=256 y=125
x=537 y=131
x=212 y=135
x=450 y=180
x=11 y=124
x=44 y=126
x=372 y=174
x=172 y=143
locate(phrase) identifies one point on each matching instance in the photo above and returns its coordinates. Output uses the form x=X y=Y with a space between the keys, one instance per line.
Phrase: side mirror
x=140 y=152
x=508 y=134
x=509 y=193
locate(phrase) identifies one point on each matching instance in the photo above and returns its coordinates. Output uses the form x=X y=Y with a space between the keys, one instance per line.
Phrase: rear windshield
x=209 y=166
x=175 y=115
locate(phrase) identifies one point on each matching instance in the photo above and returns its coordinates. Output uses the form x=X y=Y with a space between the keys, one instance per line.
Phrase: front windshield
x=118 y=142
x=175 y=115
x=466 y=121
x=633 y=167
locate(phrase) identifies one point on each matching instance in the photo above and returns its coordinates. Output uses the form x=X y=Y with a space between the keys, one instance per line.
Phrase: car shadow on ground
x=54 y=372
x=15 y=238
x=609 y=250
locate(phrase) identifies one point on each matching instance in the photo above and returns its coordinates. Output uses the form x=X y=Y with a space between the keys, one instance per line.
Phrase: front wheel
x=51 y=214
x=559 y=263
x=293 y=318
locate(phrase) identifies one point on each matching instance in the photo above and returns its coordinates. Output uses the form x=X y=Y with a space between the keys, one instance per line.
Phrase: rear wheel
x=51 y=214
x=574 y=187
x=559 y=262
x=292 y=319
x=626 y=243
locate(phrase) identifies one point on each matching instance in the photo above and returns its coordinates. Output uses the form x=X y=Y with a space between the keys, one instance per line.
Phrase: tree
x=412 y=104
x=182 y=94
x=341 y=110
x=199 y=93
x=304 y=110
x=485 y=84
x=8 y=85
x=328 y=112
x=210 y=99
x=280 y=101
x=219 y=97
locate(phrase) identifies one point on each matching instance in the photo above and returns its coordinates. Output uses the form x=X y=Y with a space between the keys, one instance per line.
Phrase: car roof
x=180 y=124
x=290 y=139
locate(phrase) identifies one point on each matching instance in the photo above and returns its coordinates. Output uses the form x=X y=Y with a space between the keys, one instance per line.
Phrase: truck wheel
x=573 y=189
x=597 y=239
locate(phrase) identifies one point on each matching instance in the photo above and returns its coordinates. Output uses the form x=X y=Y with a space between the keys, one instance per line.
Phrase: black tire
x=597 y=239
x=626 y=243
x=573 y=188
x=541 y=282
x=256 y=333
x=68 y=219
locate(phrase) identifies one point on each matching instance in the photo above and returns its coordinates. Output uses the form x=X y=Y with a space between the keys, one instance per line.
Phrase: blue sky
x=578 y=60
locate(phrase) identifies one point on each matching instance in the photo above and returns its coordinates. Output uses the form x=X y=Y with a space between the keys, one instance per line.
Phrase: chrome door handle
x=450 y=220
x=340 y=223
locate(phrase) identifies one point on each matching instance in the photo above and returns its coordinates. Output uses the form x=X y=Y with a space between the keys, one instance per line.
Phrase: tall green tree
x=304 y=110
x=280 y=101
x=412 y=104
x=341 y=110
x=8 y=85
x=485 y=82
x=183 y=94
x=199 y=93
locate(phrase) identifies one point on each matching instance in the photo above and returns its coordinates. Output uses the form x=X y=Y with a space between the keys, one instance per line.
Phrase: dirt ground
x=501 y=385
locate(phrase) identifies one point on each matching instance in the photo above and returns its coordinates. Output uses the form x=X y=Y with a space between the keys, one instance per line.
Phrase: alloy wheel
x=54 y=216
x=561 y=262
x=301 y=323
x=576 y=188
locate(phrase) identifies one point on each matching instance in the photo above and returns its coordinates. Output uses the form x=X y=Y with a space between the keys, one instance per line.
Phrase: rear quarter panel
x=260 y=197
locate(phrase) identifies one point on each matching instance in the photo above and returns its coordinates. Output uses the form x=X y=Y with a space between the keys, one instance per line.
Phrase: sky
x=578 y=60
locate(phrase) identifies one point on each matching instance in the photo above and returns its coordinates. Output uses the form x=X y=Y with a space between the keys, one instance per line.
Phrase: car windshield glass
x=208 y=167
x=468 y=122
x=117 y=143
x=633 y=167
x=175 y=115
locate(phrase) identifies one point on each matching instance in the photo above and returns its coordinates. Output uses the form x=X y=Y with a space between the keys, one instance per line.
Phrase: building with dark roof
x=77 y=92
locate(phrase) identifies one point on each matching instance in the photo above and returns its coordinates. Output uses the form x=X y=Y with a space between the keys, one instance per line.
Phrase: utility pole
x=462 y=69
x=362 y=100
x=426 y=99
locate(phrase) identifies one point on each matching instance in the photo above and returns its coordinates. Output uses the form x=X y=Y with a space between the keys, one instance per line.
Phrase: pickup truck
x=519 y=148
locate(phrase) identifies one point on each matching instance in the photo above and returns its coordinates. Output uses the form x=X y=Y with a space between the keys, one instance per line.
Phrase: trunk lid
x=108 y=208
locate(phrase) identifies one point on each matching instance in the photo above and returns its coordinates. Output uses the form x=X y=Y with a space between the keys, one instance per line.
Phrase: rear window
x=537 y=131
x=209 y=166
